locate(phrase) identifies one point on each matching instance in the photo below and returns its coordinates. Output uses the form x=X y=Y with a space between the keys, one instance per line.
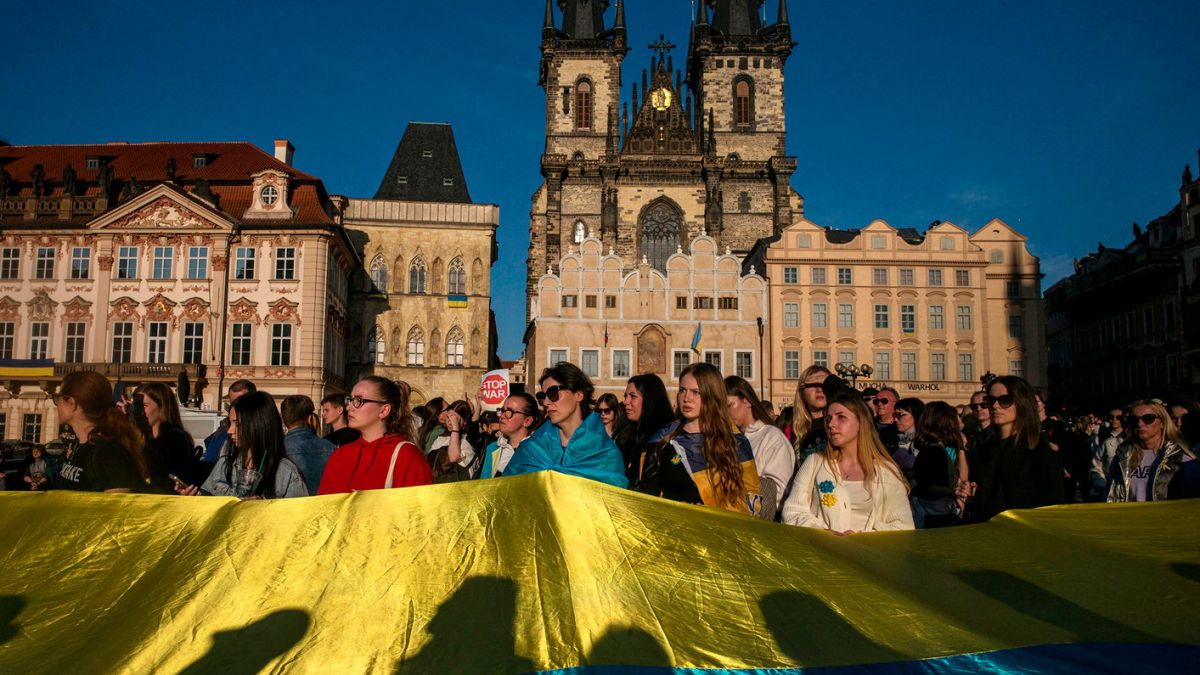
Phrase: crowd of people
x=838 y=458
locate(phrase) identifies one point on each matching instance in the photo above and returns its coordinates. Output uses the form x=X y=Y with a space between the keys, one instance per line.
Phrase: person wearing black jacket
x=647 y=410
x=939 y=488
x=1014 y=468
x=169 y=448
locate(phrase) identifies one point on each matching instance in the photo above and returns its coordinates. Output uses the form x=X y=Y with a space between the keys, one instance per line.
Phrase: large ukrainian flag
x=547 y=572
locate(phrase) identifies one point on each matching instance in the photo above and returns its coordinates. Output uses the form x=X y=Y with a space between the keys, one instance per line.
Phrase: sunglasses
x=358 y=401
x=1146 y=419
x=554 y=392
x=811 y=385
x=605 y=411
x=881 y=401
x=507 y=413
x=978 y=406
x=1003 y=400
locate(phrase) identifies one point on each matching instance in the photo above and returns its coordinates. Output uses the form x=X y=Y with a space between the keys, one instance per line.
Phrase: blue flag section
x=550 y=573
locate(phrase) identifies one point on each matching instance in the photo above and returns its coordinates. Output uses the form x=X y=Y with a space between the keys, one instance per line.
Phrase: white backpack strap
x=392 y=465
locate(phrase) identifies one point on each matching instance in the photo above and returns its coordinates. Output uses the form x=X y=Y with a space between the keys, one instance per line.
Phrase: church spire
x=583 y=19
x=783 y=17
x=701 y=13
x=620 y=20
x=737 y=17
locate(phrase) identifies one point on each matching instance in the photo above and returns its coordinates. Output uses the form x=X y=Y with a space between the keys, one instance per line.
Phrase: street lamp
x=853 y=372
x=987 y=378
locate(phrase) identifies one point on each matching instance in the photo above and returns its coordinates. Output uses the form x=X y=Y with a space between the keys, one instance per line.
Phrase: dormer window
x=447 y=182
x=199 y=161
x=402 y=180
x=427 y=154
x=93 y=163
x=269 y=195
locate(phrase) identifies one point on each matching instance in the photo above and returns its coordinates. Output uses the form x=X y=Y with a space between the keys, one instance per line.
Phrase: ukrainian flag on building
x=26 y=367
x=696 y=340
x=455 y=301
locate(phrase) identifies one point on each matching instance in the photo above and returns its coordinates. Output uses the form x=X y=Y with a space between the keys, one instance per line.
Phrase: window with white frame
x=281 y=344
x=791 y=275
x=197 y=262
x=845 y=316
x=882 y=316
x=962 y=317
x=820 y=358
x=164 y=263
x=243 y=263
x=10 y=263
x=937 y=366
x=679 y=361
x=879 y=276
x=883 y=366
x=76 y=335
x=122 y=342
x=996 y=256
x=1016 y=326
x=744 y=365
x=156 y=342
x=966 y=367
x=558 y=356
x=845 y=276
x=713 y=358
x=962 y=277
x=620 y=363
x=791 y=315
x=935 y=277
x=908 y=318
x=81 y=262
x=1017 y=367
x=907 y=277
x=589 y=362
x=791 y=364
x=908 y=365
x=8 y=339
x=937 y=317
x=44 y=268
x=455 y=343
x=39 y=340
x=457 y=276
x=847 y=357
x=193 y=342
x=285 y=263
x=240 y=345
x=818 y=275
x=127 y=262
x=820 y=312
x=32 y=427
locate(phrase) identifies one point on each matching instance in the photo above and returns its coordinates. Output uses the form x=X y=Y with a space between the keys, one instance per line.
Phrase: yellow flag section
x=548 y=572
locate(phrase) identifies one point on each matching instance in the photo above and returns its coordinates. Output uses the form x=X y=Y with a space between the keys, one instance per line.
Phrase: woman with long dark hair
x=108 y=455
x=853 y=485
x=773 y=454
x=574 y=442
x=647 y=410
x=939 y=473
x=1014 y=467
x=701 y=458
x=611 y=412
x=254 y=464
x=169 y=448
x=519 y=417
x=383 y=456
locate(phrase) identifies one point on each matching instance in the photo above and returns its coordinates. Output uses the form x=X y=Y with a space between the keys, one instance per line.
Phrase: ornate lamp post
x=987 y=378
x=853 y=372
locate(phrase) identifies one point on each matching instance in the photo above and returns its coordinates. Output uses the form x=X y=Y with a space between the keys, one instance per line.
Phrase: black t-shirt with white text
x=97 y=466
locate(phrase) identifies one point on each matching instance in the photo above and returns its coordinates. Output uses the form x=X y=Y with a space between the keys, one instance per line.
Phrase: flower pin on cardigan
x=827 y=497
x=825 y=486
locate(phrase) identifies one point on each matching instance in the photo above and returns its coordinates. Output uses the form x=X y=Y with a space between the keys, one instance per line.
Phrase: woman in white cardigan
x=853 y=485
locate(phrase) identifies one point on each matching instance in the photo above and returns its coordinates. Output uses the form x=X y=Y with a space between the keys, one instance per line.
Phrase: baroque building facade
x=929 y=312
x=698 y=151
x=614 y=322
x=145 y=261
x=423 y=306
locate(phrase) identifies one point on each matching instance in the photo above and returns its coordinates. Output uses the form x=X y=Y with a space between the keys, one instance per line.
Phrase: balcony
x=146 y=372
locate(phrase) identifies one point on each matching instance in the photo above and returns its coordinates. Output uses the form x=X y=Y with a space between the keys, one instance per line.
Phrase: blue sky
x=1069 y=120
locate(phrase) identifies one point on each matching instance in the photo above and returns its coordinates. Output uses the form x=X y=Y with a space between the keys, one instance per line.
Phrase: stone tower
x=693 y=151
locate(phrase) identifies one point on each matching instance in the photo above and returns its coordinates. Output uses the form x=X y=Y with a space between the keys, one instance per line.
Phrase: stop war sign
x=493 y=389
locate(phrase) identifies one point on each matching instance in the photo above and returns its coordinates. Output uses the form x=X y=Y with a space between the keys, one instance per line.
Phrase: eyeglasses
x=1004 y=400
x=553 y=393
x=507 y=413
x=1146 y=419
x=811 y=385
x=978 y=406
x=358 y=401
x=605 y=411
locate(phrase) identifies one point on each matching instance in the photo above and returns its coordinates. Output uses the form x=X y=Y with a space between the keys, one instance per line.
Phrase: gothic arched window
x=416 y=347
x=416 y=275
x=743 y=103
x=583 y=105
x=454 y=347
x=376 y=347
x=580 y=232
x=660 y=232
x=379 y=273
x=458 y=277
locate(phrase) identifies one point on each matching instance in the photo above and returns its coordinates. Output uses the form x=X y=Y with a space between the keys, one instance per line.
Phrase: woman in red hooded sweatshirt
x=382 y=457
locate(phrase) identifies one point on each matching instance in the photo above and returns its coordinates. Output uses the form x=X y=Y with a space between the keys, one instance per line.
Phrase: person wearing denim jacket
x=308 y=451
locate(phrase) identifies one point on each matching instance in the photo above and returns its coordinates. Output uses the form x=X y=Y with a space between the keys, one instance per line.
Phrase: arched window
x=376 y=347
x=580 y=232
x=379 y=273
x=458 y=277
x=660 y=231
x=583 y=105
x=416 y=275
x=416 y=347
x=743 y=103
x=454 y=347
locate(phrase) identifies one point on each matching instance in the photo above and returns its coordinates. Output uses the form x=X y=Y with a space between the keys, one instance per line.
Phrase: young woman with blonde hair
x=807 y=433
x=1155 y=464
x=701 y=458
x=853 y=484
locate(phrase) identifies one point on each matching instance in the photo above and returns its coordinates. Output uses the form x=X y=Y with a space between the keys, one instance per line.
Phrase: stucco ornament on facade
x=76 y=309
x=41 y=307
x=163 y=212
x=284 y=311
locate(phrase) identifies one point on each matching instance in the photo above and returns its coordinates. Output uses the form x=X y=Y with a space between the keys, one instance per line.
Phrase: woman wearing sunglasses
x=519 y=416
x=1014 y=467
x=853 y=485
x=382 y=457
x=701 y=458
x=574 y=442
x=611 y=413
x=1155 y=463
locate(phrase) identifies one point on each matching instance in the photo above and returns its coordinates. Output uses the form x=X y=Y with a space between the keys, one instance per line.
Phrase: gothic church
x=692 y=151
